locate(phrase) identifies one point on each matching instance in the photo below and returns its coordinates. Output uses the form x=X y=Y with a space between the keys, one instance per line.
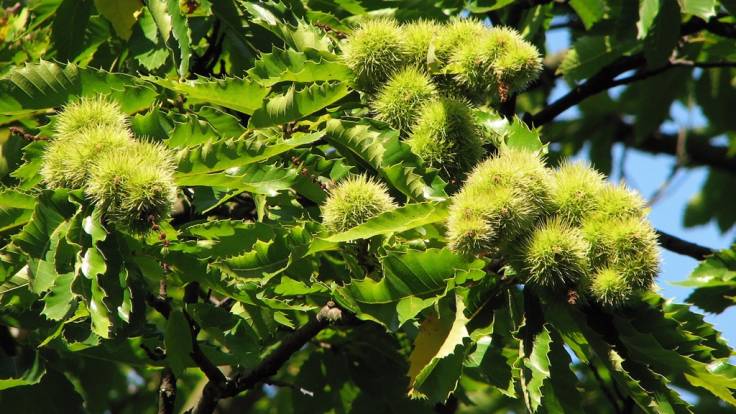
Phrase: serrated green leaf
x=51 y=211
x=60 y=299
x=414 y=273
x=48 y=396
x=27 y=369
x=585 y=343
x=255 y=179
x=221 y=155
x=297 y=104
x=395 y=221
x=662 y=35
x=383 y=153
x=591 y=53
x=242 y=95
x=519 y=135
x=669 y=363
x=714 y=281
x=68 y=29
x=182 y=34
x=704 y=9
x=46 y=85
x=120 y=13
x=178 y=340
x=435 y=363
x=16 y=208
x=590 y=11
x=292 y=66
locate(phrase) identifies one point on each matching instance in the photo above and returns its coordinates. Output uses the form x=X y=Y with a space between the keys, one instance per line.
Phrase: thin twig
x=270 y=365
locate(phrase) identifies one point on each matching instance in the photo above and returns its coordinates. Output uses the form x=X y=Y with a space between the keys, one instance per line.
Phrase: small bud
x=353 y=201
x=330 y=312
x=399 y=101
x=374 y=51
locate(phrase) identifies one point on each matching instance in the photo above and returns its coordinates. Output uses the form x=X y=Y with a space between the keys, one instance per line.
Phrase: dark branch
x=683 y=247
x=697 y=149
x=596 y=84
x=167 y=392
x=270 y=365
x=210 y=370
x=713 y=25
x=160 y=304
x=605 y=78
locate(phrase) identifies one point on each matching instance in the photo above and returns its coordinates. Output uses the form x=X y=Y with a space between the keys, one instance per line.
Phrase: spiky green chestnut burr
x=483 y=222
x=469 y=233
x=134 y=187
x=445 y=136
x=353 y=201
x=68 y=160
x=399 y=100
x=514 y=168
x=497 y=64
x=456 y=34
x=518 y=65
x=554 y=255
x=618 y=201
x=575 y=189
x=609 y=288
x=374 y=51
x=91 y=112
x=419 y=37
x=629 y=244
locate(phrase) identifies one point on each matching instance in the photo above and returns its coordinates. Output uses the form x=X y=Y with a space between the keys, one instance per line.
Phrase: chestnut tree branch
x=696 y=149
x=606 y=77
x=683 y=247
x=214 y=391
x=167 y=392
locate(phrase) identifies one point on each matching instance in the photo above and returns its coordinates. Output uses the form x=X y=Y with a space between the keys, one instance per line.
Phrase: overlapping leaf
x=46 y=85
x=714 y=281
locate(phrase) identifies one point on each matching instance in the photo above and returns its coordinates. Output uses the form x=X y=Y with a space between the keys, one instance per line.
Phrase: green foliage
x=365 y=205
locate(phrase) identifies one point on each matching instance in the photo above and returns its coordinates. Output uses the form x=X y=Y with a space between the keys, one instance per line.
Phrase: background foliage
x=263 y=116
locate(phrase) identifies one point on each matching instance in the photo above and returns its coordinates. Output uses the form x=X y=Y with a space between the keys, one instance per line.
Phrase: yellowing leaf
x=439 y=337
x=121 y=13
